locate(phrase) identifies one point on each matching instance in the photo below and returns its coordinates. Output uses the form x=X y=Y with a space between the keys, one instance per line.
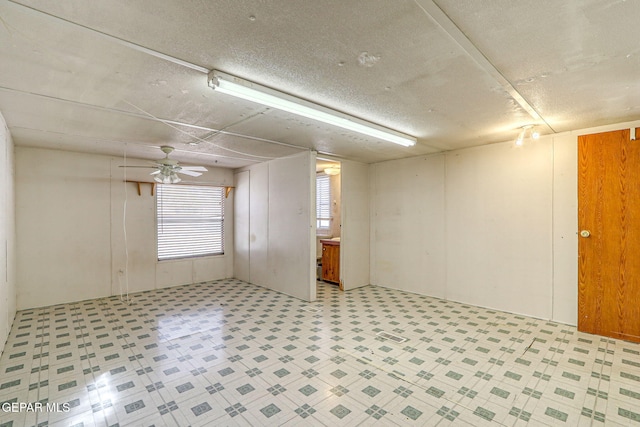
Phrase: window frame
x=212 y=215
x=323 y=231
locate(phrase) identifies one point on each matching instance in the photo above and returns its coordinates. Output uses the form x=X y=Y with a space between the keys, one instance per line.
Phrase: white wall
x=7 y=234
x=355 y=240
x=70 y=234
x=473 y=226
x=335 y=183
x=498 y=203
x=241 y=229
x=494 y=226
x=258 y=206
x=564 y=299
x=278 y=201
x=408 y=225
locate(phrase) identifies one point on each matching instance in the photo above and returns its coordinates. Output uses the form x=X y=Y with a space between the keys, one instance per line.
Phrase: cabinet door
x=331 y=263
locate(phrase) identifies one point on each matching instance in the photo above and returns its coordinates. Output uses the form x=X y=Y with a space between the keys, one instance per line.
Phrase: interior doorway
x=328 y=220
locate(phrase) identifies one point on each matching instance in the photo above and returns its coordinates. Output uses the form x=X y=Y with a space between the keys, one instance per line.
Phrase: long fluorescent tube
x=240 y=88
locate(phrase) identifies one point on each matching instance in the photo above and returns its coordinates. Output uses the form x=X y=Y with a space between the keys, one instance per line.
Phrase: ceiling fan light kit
x=244 y=89
x=167 y=179
x=167 y=169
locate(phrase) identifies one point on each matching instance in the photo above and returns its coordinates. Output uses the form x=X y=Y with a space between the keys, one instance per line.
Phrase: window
x=323 y=204
x=190 y=221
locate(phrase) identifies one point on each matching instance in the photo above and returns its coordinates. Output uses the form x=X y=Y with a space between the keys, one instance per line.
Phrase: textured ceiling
x=105 y=76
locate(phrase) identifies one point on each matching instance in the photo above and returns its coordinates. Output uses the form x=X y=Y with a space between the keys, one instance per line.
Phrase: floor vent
x=311 y=309
x=392 y=337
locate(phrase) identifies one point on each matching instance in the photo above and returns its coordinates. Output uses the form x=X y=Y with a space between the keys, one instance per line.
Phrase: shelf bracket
x=152 y=184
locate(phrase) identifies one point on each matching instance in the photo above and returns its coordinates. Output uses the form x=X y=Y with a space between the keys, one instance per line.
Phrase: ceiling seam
x=151 y=52
x=155 y=54
x=124 y=143
x=147 y=117
x=120 y=41
x=430 y=8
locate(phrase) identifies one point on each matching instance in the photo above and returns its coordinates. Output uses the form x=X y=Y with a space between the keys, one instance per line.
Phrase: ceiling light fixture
x=244 y=89
x=167 y=177
x=527 y=131
x=332 y=170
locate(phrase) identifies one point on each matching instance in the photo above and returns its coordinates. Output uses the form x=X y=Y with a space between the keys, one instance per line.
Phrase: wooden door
x=609 y=235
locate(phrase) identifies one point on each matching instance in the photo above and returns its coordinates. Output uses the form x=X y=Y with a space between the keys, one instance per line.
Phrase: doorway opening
x=328 y=220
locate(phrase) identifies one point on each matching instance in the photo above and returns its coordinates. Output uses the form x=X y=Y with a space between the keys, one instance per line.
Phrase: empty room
x=319 y=213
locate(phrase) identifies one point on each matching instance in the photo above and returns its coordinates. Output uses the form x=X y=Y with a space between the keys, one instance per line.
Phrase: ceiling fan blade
x=155 y=172
x=195 y=168
x=189 y=172
x=146 y=167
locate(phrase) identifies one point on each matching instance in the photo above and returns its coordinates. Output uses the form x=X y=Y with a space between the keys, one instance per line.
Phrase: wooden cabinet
x=330 y=261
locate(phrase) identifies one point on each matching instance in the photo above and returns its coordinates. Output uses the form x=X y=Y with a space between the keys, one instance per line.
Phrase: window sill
x=190 y=258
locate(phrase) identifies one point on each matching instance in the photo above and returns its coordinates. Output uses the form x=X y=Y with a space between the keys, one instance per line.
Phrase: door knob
x=585 y=233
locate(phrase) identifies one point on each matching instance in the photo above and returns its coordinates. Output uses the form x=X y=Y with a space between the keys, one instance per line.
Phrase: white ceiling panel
x=83 y=74
x=577 y=62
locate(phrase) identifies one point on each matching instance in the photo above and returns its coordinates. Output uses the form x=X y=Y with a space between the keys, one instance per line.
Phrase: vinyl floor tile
x=231 y=353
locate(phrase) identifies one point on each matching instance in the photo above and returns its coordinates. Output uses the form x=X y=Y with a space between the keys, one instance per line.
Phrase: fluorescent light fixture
x=244 y=89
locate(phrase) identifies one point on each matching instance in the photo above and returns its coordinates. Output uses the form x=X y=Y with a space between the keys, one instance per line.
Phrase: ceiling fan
x=167 y=169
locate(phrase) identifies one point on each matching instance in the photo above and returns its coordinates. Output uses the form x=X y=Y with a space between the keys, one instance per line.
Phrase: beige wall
x=71 y=234
x=7 y=234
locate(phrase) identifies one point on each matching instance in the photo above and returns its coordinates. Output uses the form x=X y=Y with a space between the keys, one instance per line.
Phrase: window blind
x=190 y=221
x=323 y=203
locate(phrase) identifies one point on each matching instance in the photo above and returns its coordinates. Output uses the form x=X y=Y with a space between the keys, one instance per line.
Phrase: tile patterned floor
x=228 y=353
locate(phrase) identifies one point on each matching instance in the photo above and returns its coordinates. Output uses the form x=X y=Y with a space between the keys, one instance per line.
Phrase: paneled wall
x=275 y=225
x=72 y=242
x=7 y=234
x=356 y=226
x=408 y=225
x=492 y=226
